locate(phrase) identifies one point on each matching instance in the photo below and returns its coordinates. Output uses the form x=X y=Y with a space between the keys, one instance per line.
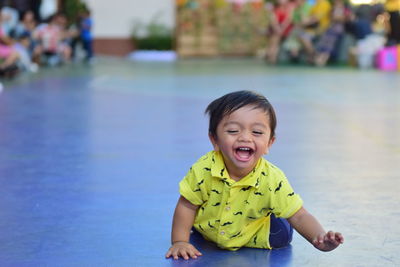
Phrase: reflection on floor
x=90 y=160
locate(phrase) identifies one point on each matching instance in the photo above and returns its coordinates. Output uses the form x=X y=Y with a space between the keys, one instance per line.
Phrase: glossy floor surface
x=91 y=157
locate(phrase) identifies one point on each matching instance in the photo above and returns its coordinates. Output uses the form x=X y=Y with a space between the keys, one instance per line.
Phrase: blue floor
x=90 y=160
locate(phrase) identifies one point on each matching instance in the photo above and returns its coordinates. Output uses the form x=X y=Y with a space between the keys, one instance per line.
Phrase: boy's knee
x=281 y=232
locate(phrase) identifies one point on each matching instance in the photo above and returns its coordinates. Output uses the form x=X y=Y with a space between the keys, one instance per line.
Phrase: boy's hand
x=328 y=241
x=184 y=250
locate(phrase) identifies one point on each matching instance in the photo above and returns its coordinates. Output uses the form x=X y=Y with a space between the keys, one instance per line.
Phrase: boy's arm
x=308 y=226
x=181 y=226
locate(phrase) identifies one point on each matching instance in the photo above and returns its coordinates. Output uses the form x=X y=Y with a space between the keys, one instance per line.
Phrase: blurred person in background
x=281 y=23
x=329 y=40
x=51 y=39
x=9 y=18
x=393 y=9
x=313 y=26
x=85 y=27
x=8 y=55
x=292 y=44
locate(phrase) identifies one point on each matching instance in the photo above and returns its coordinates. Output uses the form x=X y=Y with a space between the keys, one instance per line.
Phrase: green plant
x=152 y=36
x=72 y=9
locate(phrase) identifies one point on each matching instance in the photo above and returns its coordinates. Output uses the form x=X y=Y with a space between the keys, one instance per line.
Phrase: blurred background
x=359 y=33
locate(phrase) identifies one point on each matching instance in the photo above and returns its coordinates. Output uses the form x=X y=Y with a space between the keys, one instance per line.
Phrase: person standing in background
x=393 y=9
x=85 y=26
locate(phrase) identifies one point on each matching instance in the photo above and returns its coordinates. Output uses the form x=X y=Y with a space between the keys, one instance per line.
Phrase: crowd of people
x=314 y=32
x=26 y=42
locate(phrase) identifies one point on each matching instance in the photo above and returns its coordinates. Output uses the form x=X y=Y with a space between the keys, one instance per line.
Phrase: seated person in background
x=50 y=39
x=8 y=55
x=329 y=39
x=279 y=28
x=26 y=25
x=23 y=33
x=9 y=19
x=22 y=46
x=313 y=26
x=300 y=14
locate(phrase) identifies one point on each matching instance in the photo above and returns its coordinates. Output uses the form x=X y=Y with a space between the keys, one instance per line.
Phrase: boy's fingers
x=192 y=254
x=184 y=255
x=168 y=254
x=175 y=254
x=331 y=235
x=339 y=237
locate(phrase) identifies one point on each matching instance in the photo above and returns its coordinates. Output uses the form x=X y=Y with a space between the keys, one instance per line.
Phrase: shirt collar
x=218 y=170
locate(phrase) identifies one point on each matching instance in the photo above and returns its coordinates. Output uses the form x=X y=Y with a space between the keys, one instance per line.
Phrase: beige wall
x=114 y=19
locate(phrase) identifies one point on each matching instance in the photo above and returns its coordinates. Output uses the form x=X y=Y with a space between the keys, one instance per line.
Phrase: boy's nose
x=245 y=136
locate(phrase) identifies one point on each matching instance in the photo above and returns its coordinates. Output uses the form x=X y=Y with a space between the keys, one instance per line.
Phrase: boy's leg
x=281 y=232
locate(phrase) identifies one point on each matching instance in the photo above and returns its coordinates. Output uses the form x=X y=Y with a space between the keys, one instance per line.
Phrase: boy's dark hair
x=231 y=102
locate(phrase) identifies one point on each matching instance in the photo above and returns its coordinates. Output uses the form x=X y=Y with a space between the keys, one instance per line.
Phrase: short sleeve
x=285 y=201
x=189 y=188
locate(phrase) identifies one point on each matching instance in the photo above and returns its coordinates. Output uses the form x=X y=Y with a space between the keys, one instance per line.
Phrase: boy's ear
x=270 y=142
x=213 y=142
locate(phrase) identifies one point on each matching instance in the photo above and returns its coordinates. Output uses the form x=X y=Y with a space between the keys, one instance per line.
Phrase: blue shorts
x=280 y=233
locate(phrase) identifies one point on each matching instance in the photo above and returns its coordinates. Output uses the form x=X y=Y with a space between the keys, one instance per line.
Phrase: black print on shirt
x=213 y=159
x=258 y=182
x=217 y=204
x=252 y=218
x=263 y=173
x=227 y=223
x=201 y=228
x=197 y=190
x=225 y=182
x=258 y=193
x=238 y=213
x=207 y=169
x=236 y=235
x=215 y=191
x=222 y=172
x=209 y=224
x=246 y=188
x=255 y=240
x=279 y=187
x=199 y=183
x=246 y=202
x=291 y=194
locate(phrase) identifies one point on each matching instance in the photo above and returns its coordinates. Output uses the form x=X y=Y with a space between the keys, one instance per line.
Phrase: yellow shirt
x=392 y=5
x=236 y=214
x=322 y=11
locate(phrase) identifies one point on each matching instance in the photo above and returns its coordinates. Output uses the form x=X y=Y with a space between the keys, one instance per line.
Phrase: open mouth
x=244 y=153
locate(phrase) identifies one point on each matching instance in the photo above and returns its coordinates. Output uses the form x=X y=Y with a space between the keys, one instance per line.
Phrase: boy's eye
x=257 y=132
x=232 y=131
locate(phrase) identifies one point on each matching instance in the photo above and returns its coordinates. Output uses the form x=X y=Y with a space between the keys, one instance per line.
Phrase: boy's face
x=243 y=137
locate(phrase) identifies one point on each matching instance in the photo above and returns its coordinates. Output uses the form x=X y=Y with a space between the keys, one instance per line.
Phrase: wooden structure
x=220 y=27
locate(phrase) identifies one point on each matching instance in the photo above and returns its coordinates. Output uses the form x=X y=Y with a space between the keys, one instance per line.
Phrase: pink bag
x=386 y=59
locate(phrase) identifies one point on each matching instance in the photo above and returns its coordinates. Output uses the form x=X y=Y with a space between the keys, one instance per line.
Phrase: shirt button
x=222 y=233
x=228 y=208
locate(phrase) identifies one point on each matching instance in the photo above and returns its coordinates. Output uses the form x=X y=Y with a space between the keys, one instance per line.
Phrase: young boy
x=232 y=195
